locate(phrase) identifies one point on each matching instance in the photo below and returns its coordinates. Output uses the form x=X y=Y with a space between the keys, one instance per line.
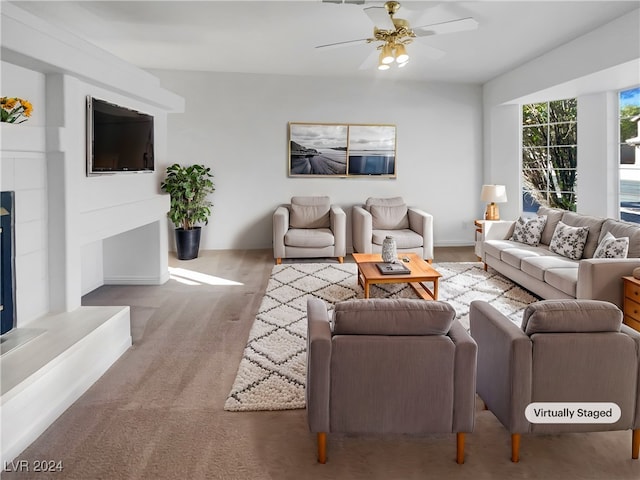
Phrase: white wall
x=592 y=68
x=63 y=216
x=238 y=125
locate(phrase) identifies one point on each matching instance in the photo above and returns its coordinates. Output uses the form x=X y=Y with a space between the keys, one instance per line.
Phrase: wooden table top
x=420 y=270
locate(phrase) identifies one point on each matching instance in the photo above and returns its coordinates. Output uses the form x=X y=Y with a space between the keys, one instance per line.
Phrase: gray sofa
x=553 y=276
x=389 y=366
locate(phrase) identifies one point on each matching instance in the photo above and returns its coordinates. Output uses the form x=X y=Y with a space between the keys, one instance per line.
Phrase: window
x=629 y=102
x=549 y=154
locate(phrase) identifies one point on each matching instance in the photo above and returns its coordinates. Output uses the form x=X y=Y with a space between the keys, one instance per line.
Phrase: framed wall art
x=341 y=150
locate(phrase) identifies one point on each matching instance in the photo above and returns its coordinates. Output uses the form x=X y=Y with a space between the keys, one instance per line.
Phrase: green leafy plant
x=188 y=187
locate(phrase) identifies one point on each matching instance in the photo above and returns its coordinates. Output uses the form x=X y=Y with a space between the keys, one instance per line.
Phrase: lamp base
x=492 y=212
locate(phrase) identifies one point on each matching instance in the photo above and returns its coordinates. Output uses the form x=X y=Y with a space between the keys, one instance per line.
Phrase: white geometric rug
x=271 y=375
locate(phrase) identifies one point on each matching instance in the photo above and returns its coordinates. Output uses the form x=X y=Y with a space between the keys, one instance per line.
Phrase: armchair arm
x=504 y=365
x=339 y=228
x=464 y=400
x=280 y=227
x=600 y=278
x=362 y=230
x=318 y=365
x=422 y=223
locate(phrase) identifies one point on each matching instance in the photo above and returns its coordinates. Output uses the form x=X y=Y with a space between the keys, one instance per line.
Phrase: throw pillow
x=612 y=247
x=569 y=241
x=389 y=217
x=529 y=230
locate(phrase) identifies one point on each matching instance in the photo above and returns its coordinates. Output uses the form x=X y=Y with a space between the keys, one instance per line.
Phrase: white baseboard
x=137 y=280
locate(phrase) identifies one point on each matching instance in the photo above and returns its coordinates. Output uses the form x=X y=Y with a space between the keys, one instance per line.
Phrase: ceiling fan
x=395 y=33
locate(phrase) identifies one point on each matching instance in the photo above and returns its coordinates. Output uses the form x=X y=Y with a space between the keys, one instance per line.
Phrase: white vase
x=389 y=251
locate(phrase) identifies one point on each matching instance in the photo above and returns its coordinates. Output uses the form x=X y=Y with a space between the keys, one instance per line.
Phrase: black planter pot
x=187 y=243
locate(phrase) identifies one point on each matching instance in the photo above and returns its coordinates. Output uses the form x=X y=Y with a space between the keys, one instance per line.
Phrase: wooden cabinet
x=632 y=302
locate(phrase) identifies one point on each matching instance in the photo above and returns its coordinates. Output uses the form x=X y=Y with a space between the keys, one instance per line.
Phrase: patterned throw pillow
x=529 y=230
x=612 y=247
x=569 y=241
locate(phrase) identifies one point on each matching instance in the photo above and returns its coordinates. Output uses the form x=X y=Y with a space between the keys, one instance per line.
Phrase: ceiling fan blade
x=446 y=27
x=343 y=44
x=380 y=17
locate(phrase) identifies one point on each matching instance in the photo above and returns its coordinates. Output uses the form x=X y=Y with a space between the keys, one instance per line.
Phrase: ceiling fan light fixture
x=386 y=55
x=400 y=65
x=401 y=54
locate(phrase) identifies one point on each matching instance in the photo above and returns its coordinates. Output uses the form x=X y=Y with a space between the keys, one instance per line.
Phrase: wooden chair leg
x=341 y=259
x=635 y=444
x=460 y=448
x=322 y=447
x=485 y=267
x=278 y=261
x=515 y=447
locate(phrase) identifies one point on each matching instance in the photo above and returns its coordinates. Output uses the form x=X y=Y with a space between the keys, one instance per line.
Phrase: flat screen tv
x=119 y=139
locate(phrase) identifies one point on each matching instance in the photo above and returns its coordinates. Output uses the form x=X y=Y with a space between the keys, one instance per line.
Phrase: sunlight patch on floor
x=190 y=277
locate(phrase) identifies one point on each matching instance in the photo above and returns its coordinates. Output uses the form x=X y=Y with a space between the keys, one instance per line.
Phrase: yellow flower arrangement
x=15 y=110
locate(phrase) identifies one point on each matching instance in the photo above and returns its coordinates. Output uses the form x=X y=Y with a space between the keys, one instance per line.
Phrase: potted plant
x=188 y=187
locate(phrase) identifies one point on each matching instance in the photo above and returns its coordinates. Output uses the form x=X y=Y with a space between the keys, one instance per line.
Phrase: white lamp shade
x=493 y=194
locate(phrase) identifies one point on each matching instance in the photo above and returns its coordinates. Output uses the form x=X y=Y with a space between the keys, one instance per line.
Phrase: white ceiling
x=278 y=37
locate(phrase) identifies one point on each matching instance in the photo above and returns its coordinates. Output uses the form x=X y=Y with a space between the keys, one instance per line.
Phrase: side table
x=631 y=306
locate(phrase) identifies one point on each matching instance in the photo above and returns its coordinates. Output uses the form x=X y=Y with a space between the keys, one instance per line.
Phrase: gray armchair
x=309 y=227
x=389 y=366
x=566 y=351
x=411 y=228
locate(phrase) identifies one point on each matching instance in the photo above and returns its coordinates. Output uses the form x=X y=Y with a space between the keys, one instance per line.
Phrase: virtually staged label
x=572 y=412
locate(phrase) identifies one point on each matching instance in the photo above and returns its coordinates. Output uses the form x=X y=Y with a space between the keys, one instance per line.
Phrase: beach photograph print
x=317 y=149
x=372 y=150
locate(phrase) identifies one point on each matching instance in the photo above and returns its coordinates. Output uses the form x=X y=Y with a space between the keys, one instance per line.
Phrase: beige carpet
x=158 y=412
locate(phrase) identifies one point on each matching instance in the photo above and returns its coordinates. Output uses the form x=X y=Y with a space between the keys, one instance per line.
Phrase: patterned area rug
x=271 y=375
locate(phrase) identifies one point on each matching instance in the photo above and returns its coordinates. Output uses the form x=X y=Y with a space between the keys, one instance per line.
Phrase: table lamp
x=493 y=194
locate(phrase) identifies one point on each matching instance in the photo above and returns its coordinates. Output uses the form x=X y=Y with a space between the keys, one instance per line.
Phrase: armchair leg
x=515 y=447
x=341 y=259
x=278 y=261
x=460 y=448
x=322 y=447
x=635 y=444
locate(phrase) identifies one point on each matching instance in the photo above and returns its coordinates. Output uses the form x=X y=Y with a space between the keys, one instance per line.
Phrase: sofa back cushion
x=554 y=215
x=389 y=217
x=310 y=212
x=595 y=225
x=621 y=229
x=384 y=316
x=571 y=316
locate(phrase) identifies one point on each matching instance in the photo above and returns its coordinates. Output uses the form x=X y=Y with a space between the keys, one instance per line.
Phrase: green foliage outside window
x=549 y=153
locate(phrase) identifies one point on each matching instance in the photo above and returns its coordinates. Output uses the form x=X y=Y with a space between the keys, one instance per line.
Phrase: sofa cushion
x=309 y=237
x=528 y=230
x=537 y=266
x=514 y=256
x=387 y=202
x=569 y=241
x=389 y=217
x=612 y=247
x=619 y=229
x=573 y=316
x=595 y=225
x=310 y=212
x=564 y=279
x=384 y=316
x=554 y=215
x=404 y=238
